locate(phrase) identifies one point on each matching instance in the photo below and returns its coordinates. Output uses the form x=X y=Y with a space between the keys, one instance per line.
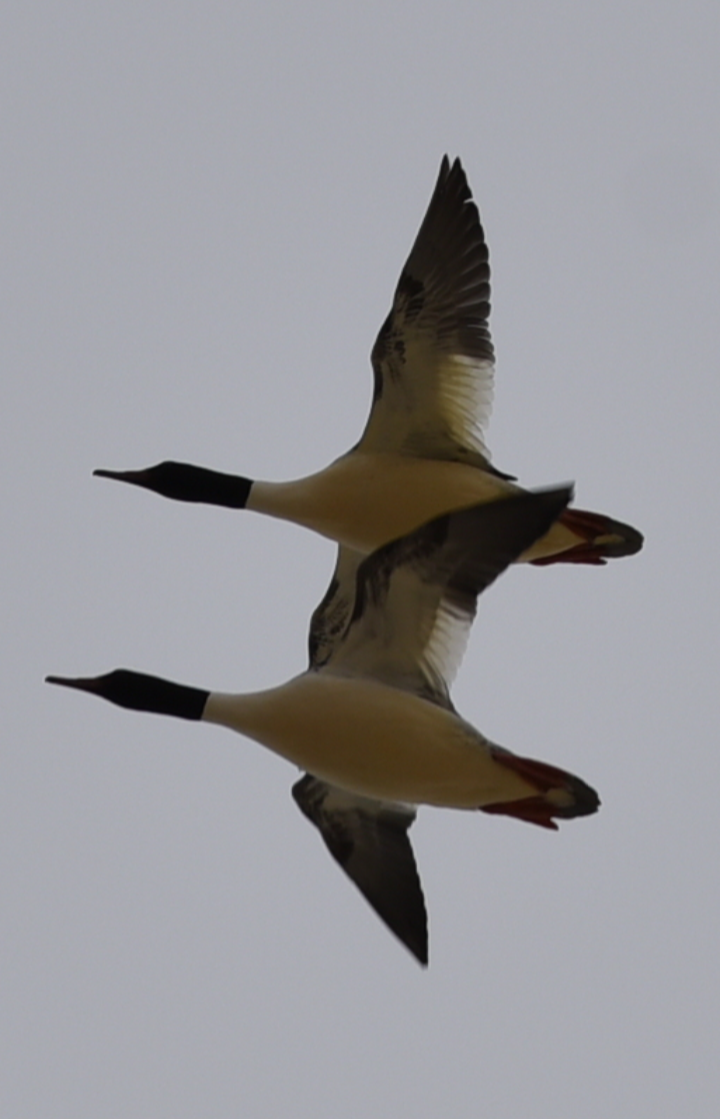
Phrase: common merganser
x=373 y=723
x=422 y=452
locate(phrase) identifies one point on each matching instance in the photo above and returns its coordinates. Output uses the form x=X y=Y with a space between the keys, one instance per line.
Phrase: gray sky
x=205 y=208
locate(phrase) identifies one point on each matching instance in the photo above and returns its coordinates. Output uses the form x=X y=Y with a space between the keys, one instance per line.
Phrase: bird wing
x=415 y=598
x=331 y=616
x=433 y=360
x=369 y=839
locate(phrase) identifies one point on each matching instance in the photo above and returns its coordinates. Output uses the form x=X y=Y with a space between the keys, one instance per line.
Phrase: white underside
x=372 y=739
x=364 y=500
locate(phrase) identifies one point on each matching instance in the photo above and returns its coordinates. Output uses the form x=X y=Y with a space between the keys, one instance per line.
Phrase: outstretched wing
x=416 y=597
x=433 y=360
x=369 y=839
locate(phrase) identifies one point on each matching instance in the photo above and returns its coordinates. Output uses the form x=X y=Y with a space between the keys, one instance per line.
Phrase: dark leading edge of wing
x=462 y=552
x=369 y=839
x=415 y=598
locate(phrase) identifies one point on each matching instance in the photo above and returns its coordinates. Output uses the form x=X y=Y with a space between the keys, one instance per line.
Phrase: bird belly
x=365 y=500
x=372 y=739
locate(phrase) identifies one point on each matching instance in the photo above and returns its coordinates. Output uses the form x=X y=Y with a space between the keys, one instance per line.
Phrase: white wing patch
x=447 y=643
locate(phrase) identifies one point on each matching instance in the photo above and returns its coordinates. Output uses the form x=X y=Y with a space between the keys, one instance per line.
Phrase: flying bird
x=422 y=452
x=371 y=721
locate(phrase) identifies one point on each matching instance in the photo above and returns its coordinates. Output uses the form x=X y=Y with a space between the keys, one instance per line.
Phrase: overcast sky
x=204 y=211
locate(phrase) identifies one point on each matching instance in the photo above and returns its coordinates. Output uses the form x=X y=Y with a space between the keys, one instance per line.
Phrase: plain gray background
x=205 y=208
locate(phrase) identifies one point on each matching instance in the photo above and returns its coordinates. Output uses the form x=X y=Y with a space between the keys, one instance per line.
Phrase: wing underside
x=433 y=360
x=369 y=839
x=415 y=598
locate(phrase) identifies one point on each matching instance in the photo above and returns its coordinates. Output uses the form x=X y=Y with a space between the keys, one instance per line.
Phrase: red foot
x=534 y=810
x=600 y=538
x=561 y=794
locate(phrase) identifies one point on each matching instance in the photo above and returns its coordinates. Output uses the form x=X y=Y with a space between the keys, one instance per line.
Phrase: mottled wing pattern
x=369 y=839
x=416 y=597
x=331 y=616
x=433 y=360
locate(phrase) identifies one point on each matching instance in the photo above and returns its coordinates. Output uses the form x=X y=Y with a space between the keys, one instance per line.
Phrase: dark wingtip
x=416 y=942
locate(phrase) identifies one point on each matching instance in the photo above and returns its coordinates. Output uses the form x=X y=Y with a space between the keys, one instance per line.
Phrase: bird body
x=375 y=739
x=422 y=452
x=364 y=499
